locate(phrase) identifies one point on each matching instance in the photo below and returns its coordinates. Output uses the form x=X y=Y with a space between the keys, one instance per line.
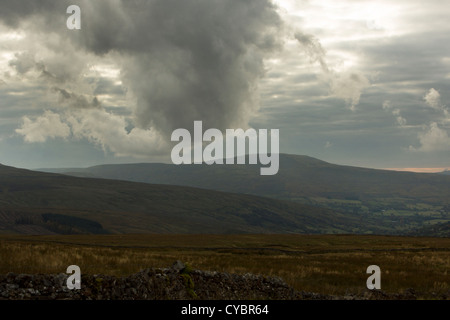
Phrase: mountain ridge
x=72 y=204
x=398 y=201
x=311 y=171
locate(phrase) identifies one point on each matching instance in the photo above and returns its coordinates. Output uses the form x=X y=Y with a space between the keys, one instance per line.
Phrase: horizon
x=414 y=170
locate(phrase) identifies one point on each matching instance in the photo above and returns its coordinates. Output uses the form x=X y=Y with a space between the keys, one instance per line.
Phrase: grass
x=327 y=264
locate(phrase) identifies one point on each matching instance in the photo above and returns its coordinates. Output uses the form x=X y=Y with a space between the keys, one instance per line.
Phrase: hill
x=298 y=176
x=40 y=203
x=398 y=201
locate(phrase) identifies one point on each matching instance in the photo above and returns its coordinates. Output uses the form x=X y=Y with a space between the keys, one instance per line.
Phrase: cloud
x=49 y=125
x=313 y=49
x=157 y=65
x=14 y=13
x=23 y=62
x=102 y=128
x=434 y=139
x=387 y=105
x=395 y=111
x=401 y=121
x=349 y=86
x=74 y=100
x=433 y=99
x=180 y=61
x=109 y=131
x=344 y=85
x=203 y=60
x=53 y=60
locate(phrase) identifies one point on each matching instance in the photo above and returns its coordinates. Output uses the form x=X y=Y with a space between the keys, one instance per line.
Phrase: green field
x=327 y=264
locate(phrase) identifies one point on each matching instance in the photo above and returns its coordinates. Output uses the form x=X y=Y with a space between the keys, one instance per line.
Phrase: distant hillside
x=397 y=201
x=39 y=203
x=298 y=176
x=435 y=230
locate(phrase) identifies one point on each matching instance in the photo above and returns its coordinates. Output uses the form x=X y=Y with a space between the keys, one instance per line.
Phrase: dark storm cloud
x=196 y=60
x=168 y=63
x=13 y=12
x=182 y=60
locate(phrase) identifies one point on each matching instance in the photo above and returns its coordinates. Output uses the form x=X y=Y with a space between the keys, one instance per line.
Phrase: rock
x=178 y=266
x=61 y=279
x=171 y=284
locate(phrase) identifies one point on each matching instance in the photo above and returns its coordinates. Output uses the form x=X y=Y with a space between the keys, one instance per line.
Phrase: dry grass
x=323 y=264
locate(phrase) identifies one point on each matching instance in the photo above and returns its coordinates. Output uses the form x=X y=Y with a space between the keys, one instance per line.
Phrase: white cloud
x=110 y=132
x=434 y=139
x=49 y=125
x=345 y=84
x=98 y=126
x=433 y=99
x=349 y=87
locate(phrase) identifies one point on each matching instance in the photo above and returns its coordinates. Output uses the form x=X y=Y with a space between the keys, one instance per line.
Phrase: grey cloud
x=201 y=61
x=23 y=62
x=387 y=105
x=51 y=74
x=107 y=86
x=60 y=66
x=13 y=13
x=75 y=100
x=313 y=48
x=347 y=86
x=182 y=60
x=415 y=58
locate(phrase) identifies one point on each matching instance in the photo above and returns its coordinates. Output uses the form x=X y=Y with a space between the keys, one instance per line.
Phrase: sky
x=362 y=83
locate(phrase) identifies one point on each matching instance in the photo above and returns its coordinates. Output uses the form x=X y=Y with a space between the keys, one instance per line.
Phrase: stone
x=178 y=266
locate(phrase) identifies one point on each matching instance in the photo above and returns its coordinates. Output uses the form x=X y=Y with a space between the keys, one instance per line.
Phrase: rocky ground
x=178 y=282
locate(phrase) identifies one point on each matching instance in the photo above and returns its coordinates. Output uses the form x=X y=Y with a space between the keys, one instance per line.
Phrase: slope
x=36 y=202
x=299 y=176
x=398 y=201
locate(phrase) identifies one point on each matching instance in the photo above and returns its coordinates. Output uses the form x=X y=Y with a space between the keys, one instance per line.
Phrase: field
x=327 y=264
